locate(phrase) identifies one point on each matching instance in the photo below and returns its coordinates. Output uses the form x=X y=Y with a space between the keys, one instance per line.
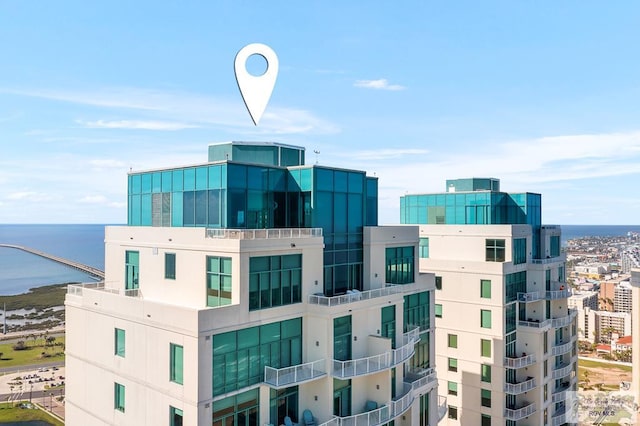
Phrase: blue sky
x=543 y=95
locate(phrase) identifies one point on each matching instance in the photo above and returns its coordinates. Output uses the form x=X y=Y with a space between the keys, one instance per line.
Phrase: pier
x=90 y=270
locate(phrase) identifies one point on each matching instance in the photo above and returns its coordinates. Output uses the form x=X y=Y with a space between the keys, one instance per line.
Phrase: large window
x=485 y=318
x=239 y=410
x=494 y=250
x=176 y=361
x=239 y=357
x=424 y=248
x=118 y=397
x=388 y=324
x=554 y=241
x=175 y=416
x=283 y=403
x=275 y=281
x=341 y=397
x=119 y=342
x=420 y=360
x=513 y=284
x=218 y=281
x=342 y=338
x=485 y=348
x=417 y=311
x=510 y=318
x=519 y=251
x=132 y=270
x=170 y=266
x=399 y=262
x=485 y=289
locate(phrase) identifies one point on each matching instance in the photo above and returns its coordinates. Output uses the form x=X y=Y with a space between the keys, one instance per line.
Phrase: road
x=31 y=367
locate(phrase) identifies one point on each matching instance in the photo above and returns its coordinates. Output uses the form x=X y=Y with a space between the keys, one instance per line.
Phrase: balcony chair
x=308 y=419
x=288 y=422
x=370 y=406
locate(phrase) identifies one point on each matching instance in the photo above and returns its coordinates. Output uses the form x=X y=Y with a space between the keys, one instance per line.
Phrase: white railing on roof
x=520 y=362
x=259 y=234
x=353 y=296
x=78 y=289
x=520 y=413
x=518 y=388
x=287 y=376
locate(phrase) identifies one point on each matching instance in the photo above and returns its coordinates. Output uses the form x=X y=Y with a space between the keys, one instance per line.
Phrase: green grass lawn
x=31 y=355
x=598 y=364
x=15 y=414
x=37 y=298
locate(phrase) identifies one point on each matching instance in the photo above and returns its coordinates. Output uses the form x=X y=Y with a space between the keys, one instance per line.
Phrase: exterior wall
x=635 y=344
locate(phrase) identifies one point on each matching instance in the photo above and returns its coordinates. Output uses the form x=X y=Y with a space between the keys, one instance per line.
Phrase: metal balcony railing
x=79 y=289
x=535 y=324
x=557 y=294
x=560 y=258
x=259 y=234
x=520 y=413
x=355 y=296
x=565 y=320
x=562 y=348
x=561 y=371
x=518 y=388
x=442 y=407
x=529 y=297
x=288 y=376
x=421 y=380
x=559 y=417
x=520 y=362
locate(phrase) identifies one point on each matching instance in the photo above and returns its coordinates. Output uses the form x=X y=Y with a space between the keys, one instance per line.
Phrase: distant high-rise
x=506 y=341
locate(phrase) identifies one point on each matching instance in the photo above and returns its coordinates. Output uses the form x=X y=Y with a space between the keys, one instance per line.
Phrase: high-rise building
x=253 y=290
x=622 y=297
x=635 y=327
x=506 y=341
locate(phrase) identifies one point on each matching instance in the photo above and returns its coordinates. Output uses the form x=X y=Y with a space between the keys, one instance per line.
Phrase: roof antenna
x=317 y=152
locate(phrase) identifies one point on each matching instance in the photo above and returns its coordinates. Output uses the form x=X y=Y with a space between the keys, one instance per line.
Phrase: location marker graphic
x=256 y=90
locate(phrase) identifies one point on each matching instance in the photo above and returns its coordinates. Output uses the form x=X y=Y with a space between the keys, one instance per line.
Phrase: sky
x=542 y=95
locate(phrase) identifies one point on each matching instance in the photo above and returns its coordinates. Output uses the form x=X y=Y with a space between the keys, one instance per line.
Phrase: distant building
x=622 y=301
x=593 y=271
x=607 y=295
x=629 y=259
x=582 y=302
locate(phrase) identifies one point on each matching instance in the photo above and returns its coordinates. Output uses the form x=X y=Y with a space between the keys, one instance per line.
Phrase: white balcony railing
x=442 y=407
x=557 y=294
x=560 y=258
x=535 y=325
x=559 y=417
x=421 y=380
x=523 y=361
x=562 y=348
x=520 y=413
x=288 y=376
x=260 y=234
x=79 y=289
x=375 y=363
x=355 y=296
x=529 y=297
x=518 y=388
x=562 y=371
x=565 y=320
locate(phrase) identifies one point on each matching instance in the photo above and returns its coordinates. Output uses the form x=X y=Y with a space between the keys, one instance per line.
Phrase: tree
x=19 y=346
x=585 y=378
x=1 y=354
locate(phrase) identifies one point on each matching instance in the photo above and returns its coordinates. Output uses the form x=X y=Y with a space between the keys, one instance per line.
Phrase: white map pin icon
x=256 y=90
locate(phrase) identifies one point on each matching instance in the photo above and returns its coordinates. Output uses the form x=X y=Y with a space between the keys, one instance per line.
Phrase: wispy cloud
x=28 y=196
x=107 y=164
x=380 y=84
x=386 y=154
x=138 y=125
x=93 y=199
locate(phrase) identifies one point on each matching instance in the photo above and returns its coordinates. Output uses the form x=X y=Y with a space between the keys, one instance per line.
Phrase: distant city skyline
x=543 y=96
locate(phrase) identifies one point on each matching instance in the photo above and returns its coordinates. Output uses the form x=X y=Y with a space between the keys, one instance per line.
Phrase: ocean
x=20 y=271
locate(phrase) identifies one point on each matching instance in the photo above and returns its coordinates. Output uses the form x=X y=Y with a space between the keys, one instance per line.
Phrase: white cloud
x=107 y=164
x=29 y=196
x=380 y=84
x=138 y=125
x=387 y=154
x=93 y=199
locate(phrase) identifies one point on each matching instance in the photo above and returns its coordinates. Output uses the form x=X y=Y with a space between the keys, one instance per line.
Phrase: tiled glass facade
x=239 y=410
x=275 y=281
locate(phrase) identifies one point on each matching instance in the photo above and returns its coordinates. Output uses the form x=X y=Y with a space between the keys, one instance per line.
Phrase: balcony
x=422 y=380
x=559 y=417
x=561 y=258
x=516 y=414
x=534 y=325
x=355 y=296
x=373 y=364
x=442 y=407
x=523 y=361
x=561 y=371
x=557 y=294
x=562 y=348
x=279 y=378
x=521 y=387
x=565 y=320
x=529 y=297
x=79 y=289
x=262 y=234
x=559 y=390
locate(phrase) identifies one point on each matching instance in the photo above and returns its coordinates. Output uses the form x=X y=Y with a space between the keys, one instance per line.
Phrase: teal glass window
x=399 y=265
x=218 y=281
x=283 y=403
x=453 y=364
x=132 y=270
x=241 y=409
x=118 y=397
x=452 y=388
x=554 y=249
x=485 y=420
x=485 y=348
x=170 y=266
x=494 y=250
x=417 y=311
x=485 y=397
x=388 y=324
x=513 y=284
x=485 y=289
x=420 y=359
x=423 y=247
x=452 y=340
x=239 y=357
x=119 y=342
x=275 y=281
x=519 y=251
x=176 y=361
x=485 y=318
x=342 y=338
x=485 y=373
x=175 y=416
x=510 y=318
x=438 y=310
x=424 y=409
x=341 y=397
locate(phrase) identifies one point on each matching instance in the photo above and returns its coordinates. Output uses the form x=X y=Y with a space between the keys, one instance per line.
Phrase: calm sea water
x=20 y=271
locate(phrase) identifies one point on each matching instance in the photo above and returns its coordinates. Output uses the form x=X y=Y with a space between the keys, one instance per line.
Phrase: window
x=132 y=270
x=453 y=340
x=417 y=311
x=388 y=324
x=241 y=409
x=485 y=318
x=170 y=266
x=438 y=283
x=424 y=248
x=485 y=373
x=494 y=250
x=545 y=342
x=485 y=397
x=218 y=281
x=118 y=397
x=513 y=284
x=545 y=367
x=175 y=416
x=438 y=310
x=283 y=403
x=485 y=420
x=399 y=265
x=453 y=364
x=453 y=412
x=452 y=388
x=485 y=348
x=119 y=342
x=554 y=241
x=485 y=289
x=519 y=251
x=275 y=281
x=175 y=363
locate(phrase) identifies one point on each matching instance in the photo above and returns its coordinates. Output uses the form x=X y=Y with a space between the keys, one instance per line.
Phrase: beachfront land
x=37 y=349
